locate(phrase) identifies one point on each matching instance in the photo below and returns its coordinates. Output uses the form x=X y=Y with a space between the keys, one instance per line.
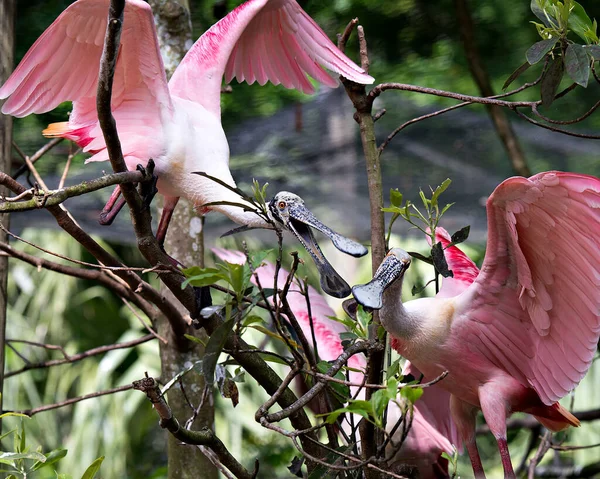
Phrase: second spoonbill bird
x=524 y=333
x=177 y=124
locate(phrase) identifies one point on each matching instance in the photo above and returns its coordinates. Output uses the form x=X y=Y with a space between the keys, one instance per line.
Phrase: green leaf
x=202 y=276
x=348 y=336
x=15 y=414
x=580 y=22
x=551 y=81
x=91 y=471
x=537 y=7
x=516 y=74
x=538 y=50
x=8 y=457
x=446 y=208
x=256 y=259
x=194 y=339
x=215 y=345
x=593 y=51
x=364 y=318
x=272 y=359
x=411 y=394
x=179 y=375
x=439 y=190
x=251 y=319
x=51 y=458
x=577 y=63
x=460 y=236
x=393 y=369
x=12 y=431
x=395 y=198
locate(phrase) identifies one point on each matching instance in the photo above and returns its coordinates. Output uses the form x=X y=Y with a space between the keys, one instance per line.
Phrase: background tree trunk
x=7 y=41
x=482 y=79
x=185 y=243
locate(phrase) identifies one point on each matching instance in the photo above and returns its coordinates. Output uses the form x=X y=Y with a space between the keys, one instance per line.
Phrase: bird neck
x=394 y=316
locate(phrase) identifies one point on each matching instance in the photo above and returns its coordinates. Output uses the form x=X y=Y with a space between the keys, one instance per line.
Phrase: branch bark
x=7 y=27
x=482 y=79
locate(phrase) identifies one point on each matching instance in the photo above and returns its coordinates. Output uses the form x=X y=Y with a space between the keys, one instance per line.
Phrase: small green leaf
x=256 y=259
x=516 y=74
x=202 y=276
x=551 y=81
x=364 y=318
x=348 y=336
x=393 y=369
x=537 y=7
x=215 y=345
x=411 y=394
x=580 y=22
x=392 y=209
x=51 y=458
x=273 y=359
x=194 y=339
x=539 y=50
x=395 y=198
x=8 y=457
x=439 y=190
x=577 y=63
x=446 y=208
x=91 y=471
x=252 y=319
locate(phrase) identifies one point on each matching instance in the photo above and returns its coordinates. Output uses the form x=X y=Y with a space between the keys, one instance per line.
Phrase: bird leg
x=112 y=208
x=165 y=219
x=495 y=411
x=464 y=415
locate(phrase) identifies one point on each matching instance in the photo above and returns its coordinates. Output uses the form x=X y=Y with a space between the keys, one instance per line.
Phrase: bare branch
x=38 y=154
x=204 y=436
x=78 y=357
x=68 y=402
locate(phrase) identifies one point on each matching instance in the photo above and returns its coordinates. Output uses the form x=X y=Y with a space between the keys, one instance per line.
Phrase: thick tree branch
x=41 y=199
x=203 y=437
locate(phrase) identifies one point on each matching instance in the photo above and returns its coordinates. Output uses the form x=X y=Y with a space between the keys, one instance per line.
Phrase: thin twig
x=68 y=402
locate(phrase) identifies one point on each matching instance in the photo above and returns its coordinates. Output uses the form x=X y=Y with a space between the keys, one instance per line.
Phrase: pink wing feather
x=63 y=65
x=261 y=40
x=534 y=310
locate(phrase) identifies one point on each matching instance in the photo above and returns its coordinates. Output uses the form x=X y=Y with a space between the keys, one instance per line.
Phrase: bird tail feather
x=555 y=417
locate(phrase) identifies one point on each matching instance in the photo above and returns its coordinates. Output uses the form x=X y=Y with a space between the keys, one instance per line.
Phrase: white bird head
x=393 y=267
x=288 y=210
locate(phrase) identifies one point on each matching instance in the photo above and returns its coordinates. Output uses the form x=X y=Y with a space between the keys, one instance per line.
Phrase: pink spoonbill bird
x=432 y=431
x=176 y=123
x=524 y=333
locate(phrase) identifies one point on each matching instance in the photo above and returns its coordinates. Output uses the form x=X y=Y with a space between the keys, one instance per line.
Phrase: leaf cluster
x=24 y=462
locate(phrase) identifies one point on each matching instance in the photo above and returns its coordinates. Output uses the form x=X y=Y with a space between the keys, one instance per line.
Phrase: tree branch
x=56 y=197
x=203 y=437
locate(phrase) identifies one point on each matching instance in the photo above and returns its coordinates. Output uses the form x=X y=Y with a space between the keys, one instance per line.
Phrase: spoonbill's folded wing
x=534 y=310
x=261 y=40
x=63 y=65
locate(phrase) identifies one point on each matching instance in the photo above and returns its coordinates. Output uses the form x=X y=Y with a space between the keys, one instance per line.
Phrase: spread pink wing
x=534 y=310
x=463 y=269
x=63 y=65
x=261 y=40
x=327 y=331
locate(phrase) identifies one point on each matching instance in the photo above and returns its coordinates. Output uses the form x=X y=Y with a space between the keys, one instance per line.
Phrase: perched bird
x=432 y=431
x=524 y=333
x=177 y=124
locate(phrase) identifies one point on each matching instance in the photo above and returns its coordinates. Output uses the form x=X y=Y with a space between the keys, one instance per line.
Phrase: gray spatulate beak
x=289 y=210
x=394 y=265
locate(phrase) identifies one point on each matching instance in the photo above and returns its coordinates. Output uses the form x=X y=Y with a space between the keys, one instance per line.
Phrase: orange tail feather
x=555 y=417
x=54 y=130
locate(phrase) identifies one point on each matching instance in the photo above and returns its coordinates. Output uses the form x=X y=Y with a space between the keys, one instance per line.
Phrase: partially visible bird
x=524 y=333
x=432 y=431
x=177 y=124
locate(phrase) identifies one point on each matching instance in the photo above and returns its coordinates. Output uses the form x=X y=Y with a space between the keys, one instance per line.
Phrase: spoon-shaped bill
x=394 y=265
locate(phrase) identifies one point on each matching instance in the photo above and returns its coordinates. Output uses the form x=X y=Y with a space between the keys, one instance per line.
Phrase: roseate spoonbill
x=432 y=431
x=177 y=123
x=524 y=333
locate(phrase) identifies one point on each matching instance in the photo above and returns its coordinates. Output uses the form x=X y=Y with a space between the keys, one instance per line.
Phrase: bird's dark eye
x=281 y=205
